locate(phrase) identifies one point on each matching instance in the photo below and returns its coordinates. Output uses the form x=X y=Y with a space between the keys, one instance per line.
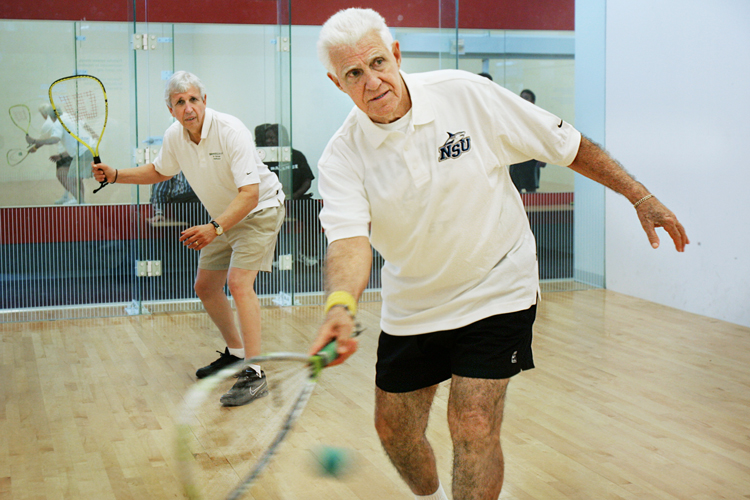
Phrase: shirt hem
x=454 y=323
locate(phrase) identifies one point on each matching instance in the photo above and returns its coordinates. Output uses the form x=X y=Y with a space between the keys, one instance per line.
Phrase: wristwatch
x=219 y=230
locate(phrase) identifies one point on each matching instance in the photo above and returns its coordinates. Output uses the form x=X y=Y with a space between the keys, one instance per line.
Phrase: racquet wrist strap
x=341 y=298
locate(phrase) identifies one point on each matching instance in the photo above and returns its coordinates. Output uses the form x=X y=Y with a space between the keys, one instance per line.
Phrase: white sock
x=237 y=351
x=256 y=368
x=438 y=495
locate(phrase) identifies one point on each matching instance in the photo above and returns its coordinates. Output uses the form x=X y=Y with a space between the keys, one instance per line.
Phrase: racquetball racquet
x=223 y=450
x=80 y=102
x=21 y=117
x=16 y=156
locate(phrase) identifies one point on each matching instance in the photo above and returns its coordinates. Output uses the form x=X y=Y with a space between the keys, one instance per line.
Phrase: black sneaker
x=249 y=387
x=225 y=359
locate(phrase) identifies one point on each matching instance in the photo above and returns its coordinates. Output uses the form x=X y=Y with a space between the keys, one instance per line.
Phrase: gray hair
x=346 y=28
x=181 y=81
x=47 y=110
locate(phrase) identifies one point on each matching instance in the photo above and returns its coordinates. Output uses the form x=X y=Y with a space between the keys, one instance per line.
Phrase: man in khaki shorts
x=217 y=154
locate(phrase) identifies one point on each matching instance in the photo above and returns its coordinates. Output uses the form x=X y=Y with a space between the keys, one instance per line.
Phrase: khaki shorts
x=248 y=245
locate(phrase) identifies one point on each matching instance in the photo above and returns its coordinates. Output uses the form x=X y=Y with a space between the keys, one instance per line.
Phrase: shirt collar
x=422 y=113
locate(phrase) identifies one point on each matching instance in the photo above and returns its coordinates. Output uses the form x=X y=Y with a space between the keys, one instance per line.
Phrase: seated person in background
x=267 y=135
x=525 y=176
x=173 y=190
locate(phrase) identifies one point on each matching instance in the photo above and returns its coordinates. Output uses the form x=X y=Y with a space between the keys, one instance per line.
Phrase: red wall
x=473 y=14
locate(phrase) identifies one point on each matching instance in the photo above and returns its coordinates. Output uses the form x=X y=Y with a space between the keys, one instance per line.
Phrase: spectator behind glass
x=525 y=175
x=267 y=135
x=174 y=190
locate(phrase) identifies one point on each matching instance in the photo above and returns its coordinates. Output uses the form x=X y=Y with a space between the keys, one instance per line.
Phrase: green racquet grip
x=328 y=353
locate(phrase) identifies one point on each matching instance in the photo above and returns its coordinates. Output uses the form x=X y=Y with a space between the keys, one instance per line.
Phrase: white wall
x=678 y=118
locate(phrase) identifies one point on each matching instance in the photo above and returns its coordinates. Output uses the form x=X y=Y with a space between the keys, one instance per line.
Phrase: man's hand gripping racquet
x=223 y=450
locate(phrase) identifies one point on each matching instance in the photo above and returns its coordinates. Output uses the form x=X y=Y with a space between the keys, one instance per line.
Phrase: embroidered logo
x=456 y=145
x=514 y=357
x=215 y=156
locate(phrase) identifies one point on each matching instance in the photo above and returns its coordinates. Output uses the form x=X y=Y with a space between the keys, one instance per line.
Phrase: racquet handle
x=328 y=353
x=104 y=182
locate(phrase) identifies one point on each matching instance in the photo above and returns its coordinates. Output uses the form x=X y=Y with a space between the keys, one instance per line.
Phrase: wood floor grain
x=629 y=400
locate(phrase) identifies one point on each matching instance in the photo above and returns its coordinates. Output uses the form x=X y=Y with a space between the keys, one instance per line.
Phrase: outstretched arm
x=595 y=163
x=38 y=143
x=145 y=174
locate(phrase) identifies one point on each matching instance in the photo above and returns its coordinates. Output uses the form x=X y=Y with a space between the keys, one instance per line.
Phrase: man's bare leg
x=241 y=285
x=401 y=422
x=209 y=286
x=475 y=415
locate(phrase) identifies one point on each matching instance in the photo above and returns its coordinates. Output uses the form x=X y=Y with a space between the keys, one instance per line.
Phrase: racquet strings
x=20 y=116
x=222 y=445
x=81 y=105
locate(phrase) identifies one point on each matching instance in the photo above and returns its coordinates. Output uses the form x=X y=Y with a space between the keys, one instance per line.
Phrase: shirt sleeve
x=346 y=209
x=57 y=130
x=243 y=157
x=525 y=131
x=165 y=162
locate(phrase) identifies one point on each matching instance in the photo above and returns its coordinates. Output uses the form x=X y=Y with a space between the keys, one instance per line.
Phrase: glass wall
x=542 y=61
x=67 y=252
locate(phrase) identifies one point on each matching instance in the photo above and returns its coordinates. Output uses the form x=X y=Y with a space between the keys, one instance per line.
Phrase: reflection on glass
x=255 y=72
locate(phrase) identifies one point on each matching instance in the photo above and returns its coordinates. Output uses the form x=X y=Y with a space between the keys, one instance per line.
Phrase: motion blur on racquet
x=20 y=115
x=15 y=156
x=222 y=451
x=80 y=102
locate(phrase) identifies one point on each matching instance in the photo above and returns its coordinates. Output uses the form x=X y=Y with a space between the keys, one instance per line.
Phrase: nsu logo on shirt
x=456 y=145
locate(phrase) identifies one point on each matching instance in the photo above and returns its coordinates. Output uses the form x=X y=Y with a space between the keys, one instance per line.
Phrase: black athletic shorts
x=497 y=347
x=64 y=162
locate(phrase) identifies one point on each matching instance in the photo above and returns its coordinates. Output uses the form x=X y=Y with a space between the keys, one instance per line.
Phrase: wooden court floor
x=629 y=400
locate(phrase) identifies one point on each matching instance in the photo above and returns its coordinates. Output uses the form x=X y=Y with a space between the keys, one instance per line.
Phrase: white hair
x=346 y=28
x=47 y=110
x=181 y=81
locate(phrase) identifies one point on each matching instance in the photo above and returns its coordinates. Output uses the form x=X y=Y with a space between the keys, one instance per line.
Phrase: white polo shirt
x=70 y=145
x=53 y=128
x=223 y=161
x=437 y=196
